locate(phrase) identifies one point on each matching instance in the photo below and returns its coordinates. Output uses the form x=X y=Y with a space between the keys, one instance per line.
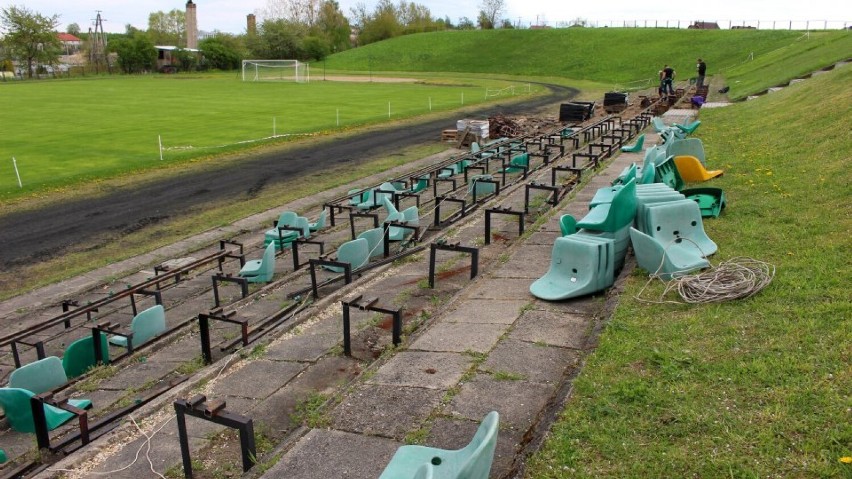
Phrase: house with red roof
x=70 y=43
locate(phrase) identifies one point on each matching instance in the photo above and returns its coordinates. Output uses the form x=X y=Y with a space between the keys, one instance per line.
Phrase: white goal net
x=276 y=70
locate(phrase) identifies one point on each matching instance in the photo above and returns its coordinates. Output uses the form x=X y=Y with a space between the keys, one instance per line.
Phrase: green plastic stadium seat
x=517 y=164
x=149 y=323
x=605 y=275
x=626 y=175
x=471 y=462
x=711 y=201
x=689 y=128
x=615 y=215
x=636 y=147
x=19 y=412
x=668 y=262
x=355 y=252
x=356 y=196
x=39 y=376
x=320 y=222
x=482 y=189
x=409 y=216
x=260 y=270
x=620 y=240
x=286 y=237
x=3 y=457
x=375 y=238
x=79 y=356
x=421 y=184
x=667 y=173
x=679 y=223
x=648 y=174
x=567 y=225
x=575 y=267
x=687 y=146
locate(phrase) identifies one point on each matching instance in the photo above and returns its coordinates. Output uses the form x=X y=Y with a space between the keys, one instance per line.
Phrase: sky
x=230 y=16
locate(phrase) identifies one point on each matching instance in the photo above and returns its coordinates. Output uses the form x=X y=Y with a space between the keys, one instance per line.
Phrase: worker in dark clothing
x=702 y=69
x=667 y=76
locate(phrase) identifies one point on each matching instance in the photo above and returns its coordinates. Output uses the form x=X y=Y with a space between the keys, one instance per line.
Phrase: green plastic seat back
x=711 y=201
x=422 y=184
x=152 y=321
x=481 y=188
x=304 y=225
x=19 y=413
x=659 y=125
x=287 y=218
x=374 y=238
x=39 y=376
x=626 y=175
x=356 y=196
x=655 y=258
x=411 y=216
x=426 y=471
x=615 y=215
x=3 y=459
x=566 y=132
x=480 y=450
x=672 y=221
x=355 y=252
x=574 y=266
x=79 y=356
x=320 y=222
x=567 y=225
x=474 y=147
x=520 y=160
x=636 y=147
x=687 y=146
x=667 y=173
x=648 y=174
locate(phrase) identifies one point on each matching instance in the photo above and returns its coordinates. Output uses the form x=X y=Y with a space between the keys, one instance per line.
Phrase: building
x=70 y=43
x=704 y=25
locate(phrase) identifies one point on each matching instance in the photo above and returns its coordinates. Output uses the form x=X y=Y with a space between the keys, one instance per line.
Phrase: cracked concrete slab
x=518 y=402
x=422 y=369
x=460 y=337
x=486 y=311
x=388 y=411
x=552 y=328
x=533 y=362
x=335 y=454
x=253 y=380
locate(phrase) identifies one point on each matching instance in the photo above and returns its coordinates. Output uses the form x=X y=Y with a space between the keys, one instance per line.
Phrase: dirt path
x=46 y=233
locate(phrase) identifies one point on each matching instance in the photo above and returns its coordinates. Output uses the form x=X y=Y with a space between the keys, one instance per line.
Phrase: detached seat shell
x=19 y=413
x=665 y=262
x=692 y=171
x=471 y=462
x=355 y=252
x=146 y=325
x=260 y=270
x=79 y=356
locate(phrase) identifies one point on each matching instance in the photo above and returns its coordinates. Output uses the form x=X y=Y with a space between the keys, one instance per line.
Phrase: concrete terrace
x=471 y=346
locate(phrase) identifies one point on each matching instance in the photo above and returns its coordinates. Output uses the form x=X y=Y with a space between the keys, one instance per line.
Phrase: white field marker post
x=430 y=103
x=15 y=164
x=462 y=96
x=338 y=117
x=388 y=109
x=160 y=140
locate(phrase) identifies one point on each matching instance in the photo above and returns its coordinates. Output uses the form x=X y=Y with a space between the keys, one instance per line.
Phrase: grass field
x=82 y=130
x=749 y=388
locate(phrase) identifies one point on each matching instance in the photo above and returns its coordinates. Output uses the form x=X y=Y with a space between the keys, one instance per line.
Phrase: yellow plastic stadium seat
x=692 y=171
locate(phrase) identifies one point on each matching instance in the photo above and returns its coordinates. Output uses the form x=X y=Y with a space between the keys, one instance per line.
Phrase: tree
x=333 y=25
x=222 y=51
x=167 y=28
x=489 y=12
x=135 y=52
x=73 y=29
x=30 y=37
x=277 y=40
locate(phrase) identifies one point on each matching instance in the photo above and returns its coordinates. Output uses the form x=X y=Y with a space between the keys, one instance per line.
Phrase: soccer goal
x=276 y=70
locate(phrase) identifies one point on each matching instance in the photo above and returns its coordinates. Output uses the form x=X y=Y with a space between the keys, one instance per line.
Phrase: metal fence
x=723 y=24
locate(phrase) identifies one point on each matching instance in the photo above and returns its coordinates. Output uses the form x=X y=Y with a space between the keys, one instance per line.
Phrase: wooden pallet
x=449 y=135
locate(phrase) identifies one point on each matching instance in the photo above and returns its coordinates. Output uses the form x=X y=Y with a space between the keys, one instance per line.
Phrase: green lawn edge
x=758 y=387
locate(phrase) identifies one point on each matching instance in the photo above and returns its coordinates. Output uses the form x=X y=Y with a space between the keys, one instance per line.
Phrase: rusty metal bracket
x=502 y=211
x=368 y=305
x=433 y=249
x=216 y=413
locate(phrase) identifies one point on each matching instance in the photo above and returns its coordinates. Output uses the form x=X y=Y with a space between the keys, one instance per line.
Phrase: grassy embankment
x=749 y=388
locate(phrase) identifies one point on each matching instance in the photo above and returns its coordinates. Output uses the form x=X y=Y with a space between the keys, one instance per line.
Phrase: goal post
x=276 y=70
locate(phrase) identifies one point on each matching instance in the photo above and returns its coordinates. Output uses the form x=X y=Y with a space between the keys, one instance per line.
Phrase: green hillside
x=756 y=387
x=612 y=55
